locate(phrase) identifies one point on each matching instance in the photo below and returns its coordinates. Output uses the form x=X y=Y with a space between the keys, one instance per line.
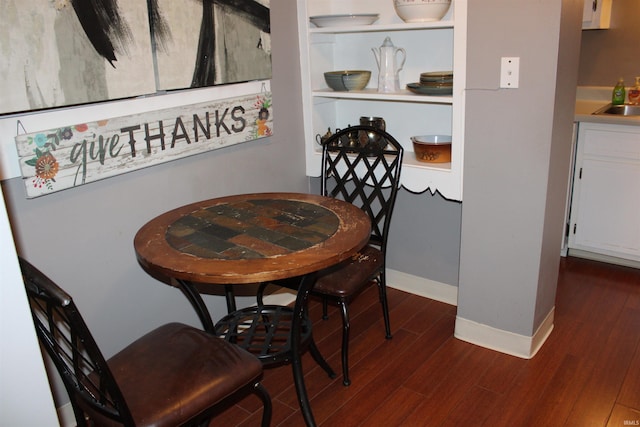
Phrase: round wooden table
x=249 y=239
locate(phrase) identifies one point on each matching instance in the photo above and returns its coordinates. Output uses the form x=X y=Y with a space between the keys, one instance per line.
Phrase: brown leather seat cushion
x=353 y=275
x=183 y=365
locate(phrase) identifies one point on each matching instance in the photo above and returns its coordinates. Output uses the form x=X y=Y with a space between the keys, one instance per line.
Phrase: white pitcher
x=388 y=79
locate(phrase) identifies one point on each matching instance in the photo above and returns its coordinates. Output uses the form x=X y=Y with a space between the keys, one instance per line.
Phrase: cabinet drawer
x=616 y=142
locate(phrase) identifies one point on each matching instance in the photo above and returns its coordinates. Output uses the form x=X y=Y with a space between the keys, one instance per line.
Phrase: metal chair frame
x=86 y=375
x=368 y=176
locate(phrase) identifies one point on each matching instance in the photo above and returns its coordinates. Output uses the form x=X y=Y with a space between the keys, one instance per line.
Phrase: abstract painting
x=72 y=52
x=207 y=42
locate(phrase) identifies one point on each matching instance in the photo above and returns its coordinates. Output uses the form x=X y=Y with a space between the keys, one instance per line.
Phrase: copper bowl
x=432 y=148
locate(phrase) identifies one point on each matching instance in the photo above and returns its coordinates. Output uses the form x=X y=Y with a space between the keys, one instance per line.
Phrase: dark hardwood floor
x=586 y=374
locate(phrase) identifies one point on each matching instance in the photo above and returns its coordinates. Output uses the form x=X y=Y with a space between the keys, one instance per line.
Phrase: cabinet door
x=608 y=209
x=596 y=14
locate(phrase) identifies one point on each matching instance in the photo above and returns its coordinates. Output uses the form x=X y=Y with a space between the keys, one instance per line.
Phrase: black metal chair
x=174 y=375
x=360 y=165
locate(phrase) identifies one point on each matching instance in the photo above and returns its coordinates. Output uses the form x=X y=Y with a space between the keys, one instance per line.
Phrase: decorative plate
x=429 y=90
x=344 y=20
x=437 y=76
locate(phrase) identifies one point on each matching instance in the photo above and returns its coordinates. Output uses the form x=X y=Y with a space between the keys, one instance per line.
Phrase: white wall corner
x=422 y=287
x=504 y=341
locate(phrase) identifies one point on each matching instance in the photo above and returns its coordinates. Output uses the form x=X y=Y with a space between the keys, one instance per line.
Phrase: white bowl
x=421 y=10
x=344 y=20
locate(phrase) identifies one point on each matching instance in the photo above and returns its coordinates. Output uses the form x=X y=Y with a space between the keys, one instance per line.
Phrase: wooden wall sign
x=69 y=156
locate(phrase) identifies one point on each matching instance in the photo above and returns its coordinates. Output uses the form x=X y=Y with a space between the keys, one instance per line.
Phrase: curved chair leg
x=382 y=289
x=345 y=342
x=262 y=393
x=317 y=356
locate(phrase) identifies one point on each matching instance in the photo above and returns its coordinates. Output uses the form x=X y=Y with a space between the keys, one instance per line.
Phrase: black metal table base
x=275 y=334
x=265 y=331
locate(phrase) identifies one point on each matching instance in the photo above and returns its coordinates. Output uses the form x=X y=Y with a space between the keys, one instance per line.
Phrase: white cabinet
x=605 y=208
x=596 y=14
x=430 y=46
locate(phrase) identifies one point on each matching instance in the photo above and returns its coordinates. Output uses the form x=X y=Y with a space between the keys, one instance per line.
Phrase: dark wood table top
x=251 y=238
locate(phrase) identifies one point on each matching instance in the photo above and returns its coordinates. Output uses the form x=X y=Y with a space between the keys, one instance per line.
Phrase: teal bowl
x=347 y=80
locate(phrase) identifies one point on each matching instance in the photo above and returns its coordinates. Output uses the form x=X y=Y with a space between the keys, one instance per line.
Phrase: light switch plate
x=509 y=72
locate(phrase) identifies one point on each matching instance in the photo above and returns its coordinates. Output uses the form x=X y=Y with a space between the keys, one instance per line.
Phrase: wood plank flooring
x=586 y=374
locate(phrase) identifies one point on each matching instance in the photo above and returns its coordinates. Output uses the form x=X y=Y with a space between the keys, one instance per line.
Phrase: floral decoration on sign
x=262 y=104
x=44 y=162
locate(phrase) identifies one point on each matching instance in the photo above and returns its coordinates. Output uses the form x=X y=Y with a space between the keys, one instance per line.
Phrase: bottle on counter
x=634 y=93
x=618 y=95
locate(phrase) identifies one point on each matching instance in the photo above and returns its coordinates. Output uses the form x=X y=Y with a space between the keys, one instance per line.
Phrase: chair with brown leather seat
x=360 y=165
x=173 y=375
x=369 y=177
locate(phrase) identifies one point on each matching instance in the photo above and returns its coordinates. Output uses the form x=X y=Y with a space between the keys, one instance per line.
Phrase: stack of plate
x=433 y=83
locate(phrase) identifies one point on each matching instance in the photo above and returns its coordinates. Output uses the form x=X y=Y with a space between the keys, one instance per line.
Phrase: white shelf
x=373 y=94
x=381 y=27
x=430 y=46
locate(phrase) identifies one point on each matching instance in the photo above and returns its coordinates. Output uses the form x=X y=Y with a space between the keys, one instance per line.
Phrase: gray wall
x=424 y=237
x=83 y=237
x=609 y=54
x=517 y=151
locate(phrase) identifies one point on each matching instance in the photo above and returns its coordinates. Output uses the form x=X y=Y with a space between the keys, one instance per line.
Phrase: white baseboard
x=282 y=296
x=395 y=279
x=423 y=287
x=603 y=258
x=66 y=416
x=504 y=341
x=467 y=330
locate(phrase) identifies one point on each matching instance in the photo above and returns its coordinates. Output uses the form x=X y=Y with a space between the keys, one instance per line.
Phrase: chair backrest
x=64 y=334
x=361 y=165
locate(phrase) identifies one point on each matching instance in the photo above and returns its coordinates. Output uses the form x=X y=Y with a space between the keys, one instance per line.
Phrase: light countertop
x=592 y=98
